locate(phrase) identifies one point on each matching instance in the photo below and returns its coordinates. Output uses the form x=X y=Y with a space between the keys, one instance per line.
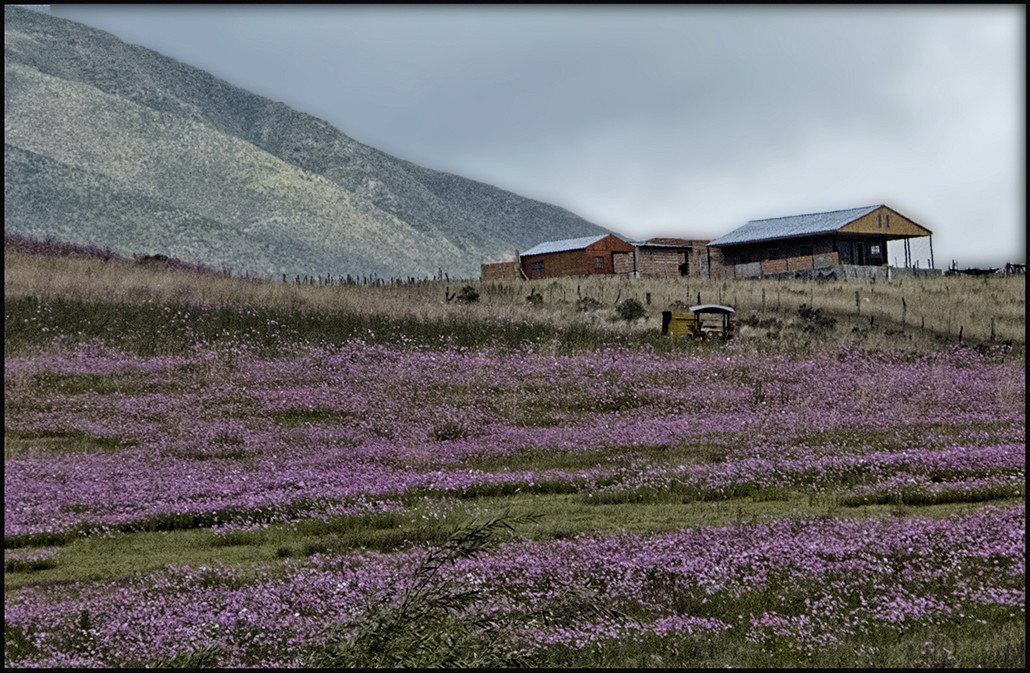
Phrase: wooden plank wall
x=499 y=271
x=623 y=262
x=659 y=263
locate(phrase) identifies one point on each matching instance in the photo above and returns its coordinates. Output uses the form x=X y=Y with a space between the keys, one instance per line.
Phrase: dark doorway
x=685 y=265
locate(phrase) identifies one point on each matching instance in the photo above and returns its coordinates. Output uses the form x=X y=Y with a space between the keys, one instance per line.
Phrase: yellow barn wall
x=900 y=225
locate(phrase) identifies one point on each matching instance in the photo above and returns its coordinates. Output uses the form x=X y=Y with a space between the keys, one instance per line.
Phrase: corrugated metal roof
x=795 y=225
x=561 y=246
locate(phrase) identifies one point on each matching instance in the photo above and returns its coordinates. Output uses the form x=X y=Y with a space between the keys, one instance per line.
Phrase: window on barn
x=536 y=269
x=599 y=263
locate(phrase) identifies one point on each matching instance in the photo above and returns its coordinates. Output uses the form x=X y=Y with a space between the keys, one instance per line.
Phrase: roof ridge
x=823 y=212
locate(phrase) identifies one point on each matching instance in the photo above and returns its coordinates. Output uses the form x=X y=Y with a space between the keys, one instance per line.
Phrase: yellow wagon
x=701 y=322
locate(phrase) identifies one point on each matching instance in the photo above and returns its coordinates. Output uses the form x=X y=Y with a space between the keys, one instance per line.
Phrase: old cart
x=700 y=322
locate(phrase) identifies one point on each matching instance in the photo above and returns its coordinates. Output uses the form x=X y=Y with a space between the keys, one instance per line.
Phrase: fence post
x=904 y=311
x=858 y=304
x=992 y=330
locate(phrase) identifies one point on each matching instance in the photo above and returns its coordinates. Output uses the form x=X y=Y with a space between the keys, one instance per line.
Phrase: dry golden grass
x=931 y=307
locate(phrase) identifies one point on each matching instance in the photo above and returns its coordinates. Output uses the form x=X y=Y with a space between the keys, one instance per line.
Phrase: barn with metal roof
x=606 y=254
x=803 y=243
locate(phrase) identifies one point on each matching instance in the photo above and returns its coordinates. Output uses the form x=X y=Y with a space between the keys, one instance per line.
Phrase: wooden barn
x=606 y=254
x=799 y=244
x=672 y=258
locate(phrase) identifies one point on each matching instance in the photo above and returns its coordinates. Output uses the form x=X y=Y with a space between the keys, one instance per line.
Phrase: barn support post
x=931 y=251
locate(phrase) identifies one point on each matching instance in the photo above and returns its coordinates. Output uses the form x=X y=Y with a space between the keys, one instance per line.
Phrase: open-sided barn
x=603 y=254
x=852 y=240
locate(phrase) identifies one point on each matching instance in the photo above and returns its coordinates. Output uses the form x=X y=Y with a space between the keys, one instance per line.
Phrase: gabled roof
x=795 y=225
x=567 y=244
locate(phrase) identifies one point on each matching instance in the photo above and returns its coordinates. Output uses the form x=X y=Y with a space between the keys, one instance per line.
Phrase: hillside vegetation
x=112 y=144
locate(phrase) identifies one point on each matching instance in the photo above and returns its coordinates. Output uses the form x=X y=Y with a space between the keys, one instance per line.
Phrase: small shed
x=605 y=254
x=672 y=258
x=784 y=245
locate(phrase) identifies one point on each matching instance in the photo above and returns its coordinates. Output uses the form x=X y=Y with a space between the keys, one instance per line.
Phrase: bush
x=814 y=320
x=630 y=309
x=468 y=295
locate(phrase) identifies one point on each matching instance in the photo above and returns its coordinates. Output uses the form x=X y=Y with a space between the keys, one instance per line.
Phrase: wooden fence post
x=904 y=311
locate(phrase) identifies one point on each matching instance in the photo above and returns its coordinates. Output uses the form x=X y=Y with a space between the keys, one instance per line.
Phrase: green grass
x=116 y=557
x=967 y=645
x=20 y=444
x=153 y=329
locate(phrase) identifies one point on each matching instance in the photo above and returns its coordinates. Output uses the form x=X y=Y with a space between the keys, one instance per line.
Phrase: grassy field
x=915 y=312
x=213 y=471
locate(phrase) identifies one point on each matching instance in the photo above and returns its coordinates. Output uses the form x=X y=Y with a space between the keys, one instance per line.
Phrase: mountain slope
x=160 y=157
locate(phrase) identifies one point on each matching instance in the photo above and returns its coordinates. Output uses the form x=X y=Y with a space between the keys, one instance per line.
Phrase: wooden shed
x=672 y=258
x=857 y=237
x=606 y=254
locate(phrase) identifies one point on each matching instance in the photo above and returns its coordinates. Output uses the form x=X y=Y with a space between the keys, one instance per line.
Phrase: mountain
x=111 y=144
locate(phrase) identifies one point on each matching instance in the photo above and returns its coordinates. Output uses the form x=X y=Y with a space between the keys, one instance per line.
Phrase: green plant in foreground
x=435 y=622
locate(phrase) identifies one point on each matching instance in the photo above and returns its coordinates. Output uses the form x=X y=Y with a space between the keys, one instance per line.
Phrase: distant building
x=501 y=271
x=841 y=243
x=606 y=254
x=672 y=258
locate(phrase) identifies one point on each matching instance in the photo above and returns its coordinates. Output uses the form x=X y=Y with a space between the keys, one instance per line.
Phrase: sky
x=666 y=120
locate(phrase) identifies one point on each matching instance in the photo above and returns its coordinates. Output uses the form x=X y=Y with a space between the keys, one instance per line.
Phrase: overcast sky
x=667 y=120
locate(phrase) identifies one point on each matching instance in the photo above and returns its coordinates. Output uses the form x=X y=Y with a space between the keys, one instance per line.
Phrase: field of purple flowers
x=906 y=472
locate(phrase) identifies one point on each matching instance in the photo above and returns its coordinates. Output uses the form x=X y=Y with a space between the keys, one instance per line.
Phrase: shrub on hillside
x=588 y=304
x=630 y=309
x=468 y=295
x=813 y=319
